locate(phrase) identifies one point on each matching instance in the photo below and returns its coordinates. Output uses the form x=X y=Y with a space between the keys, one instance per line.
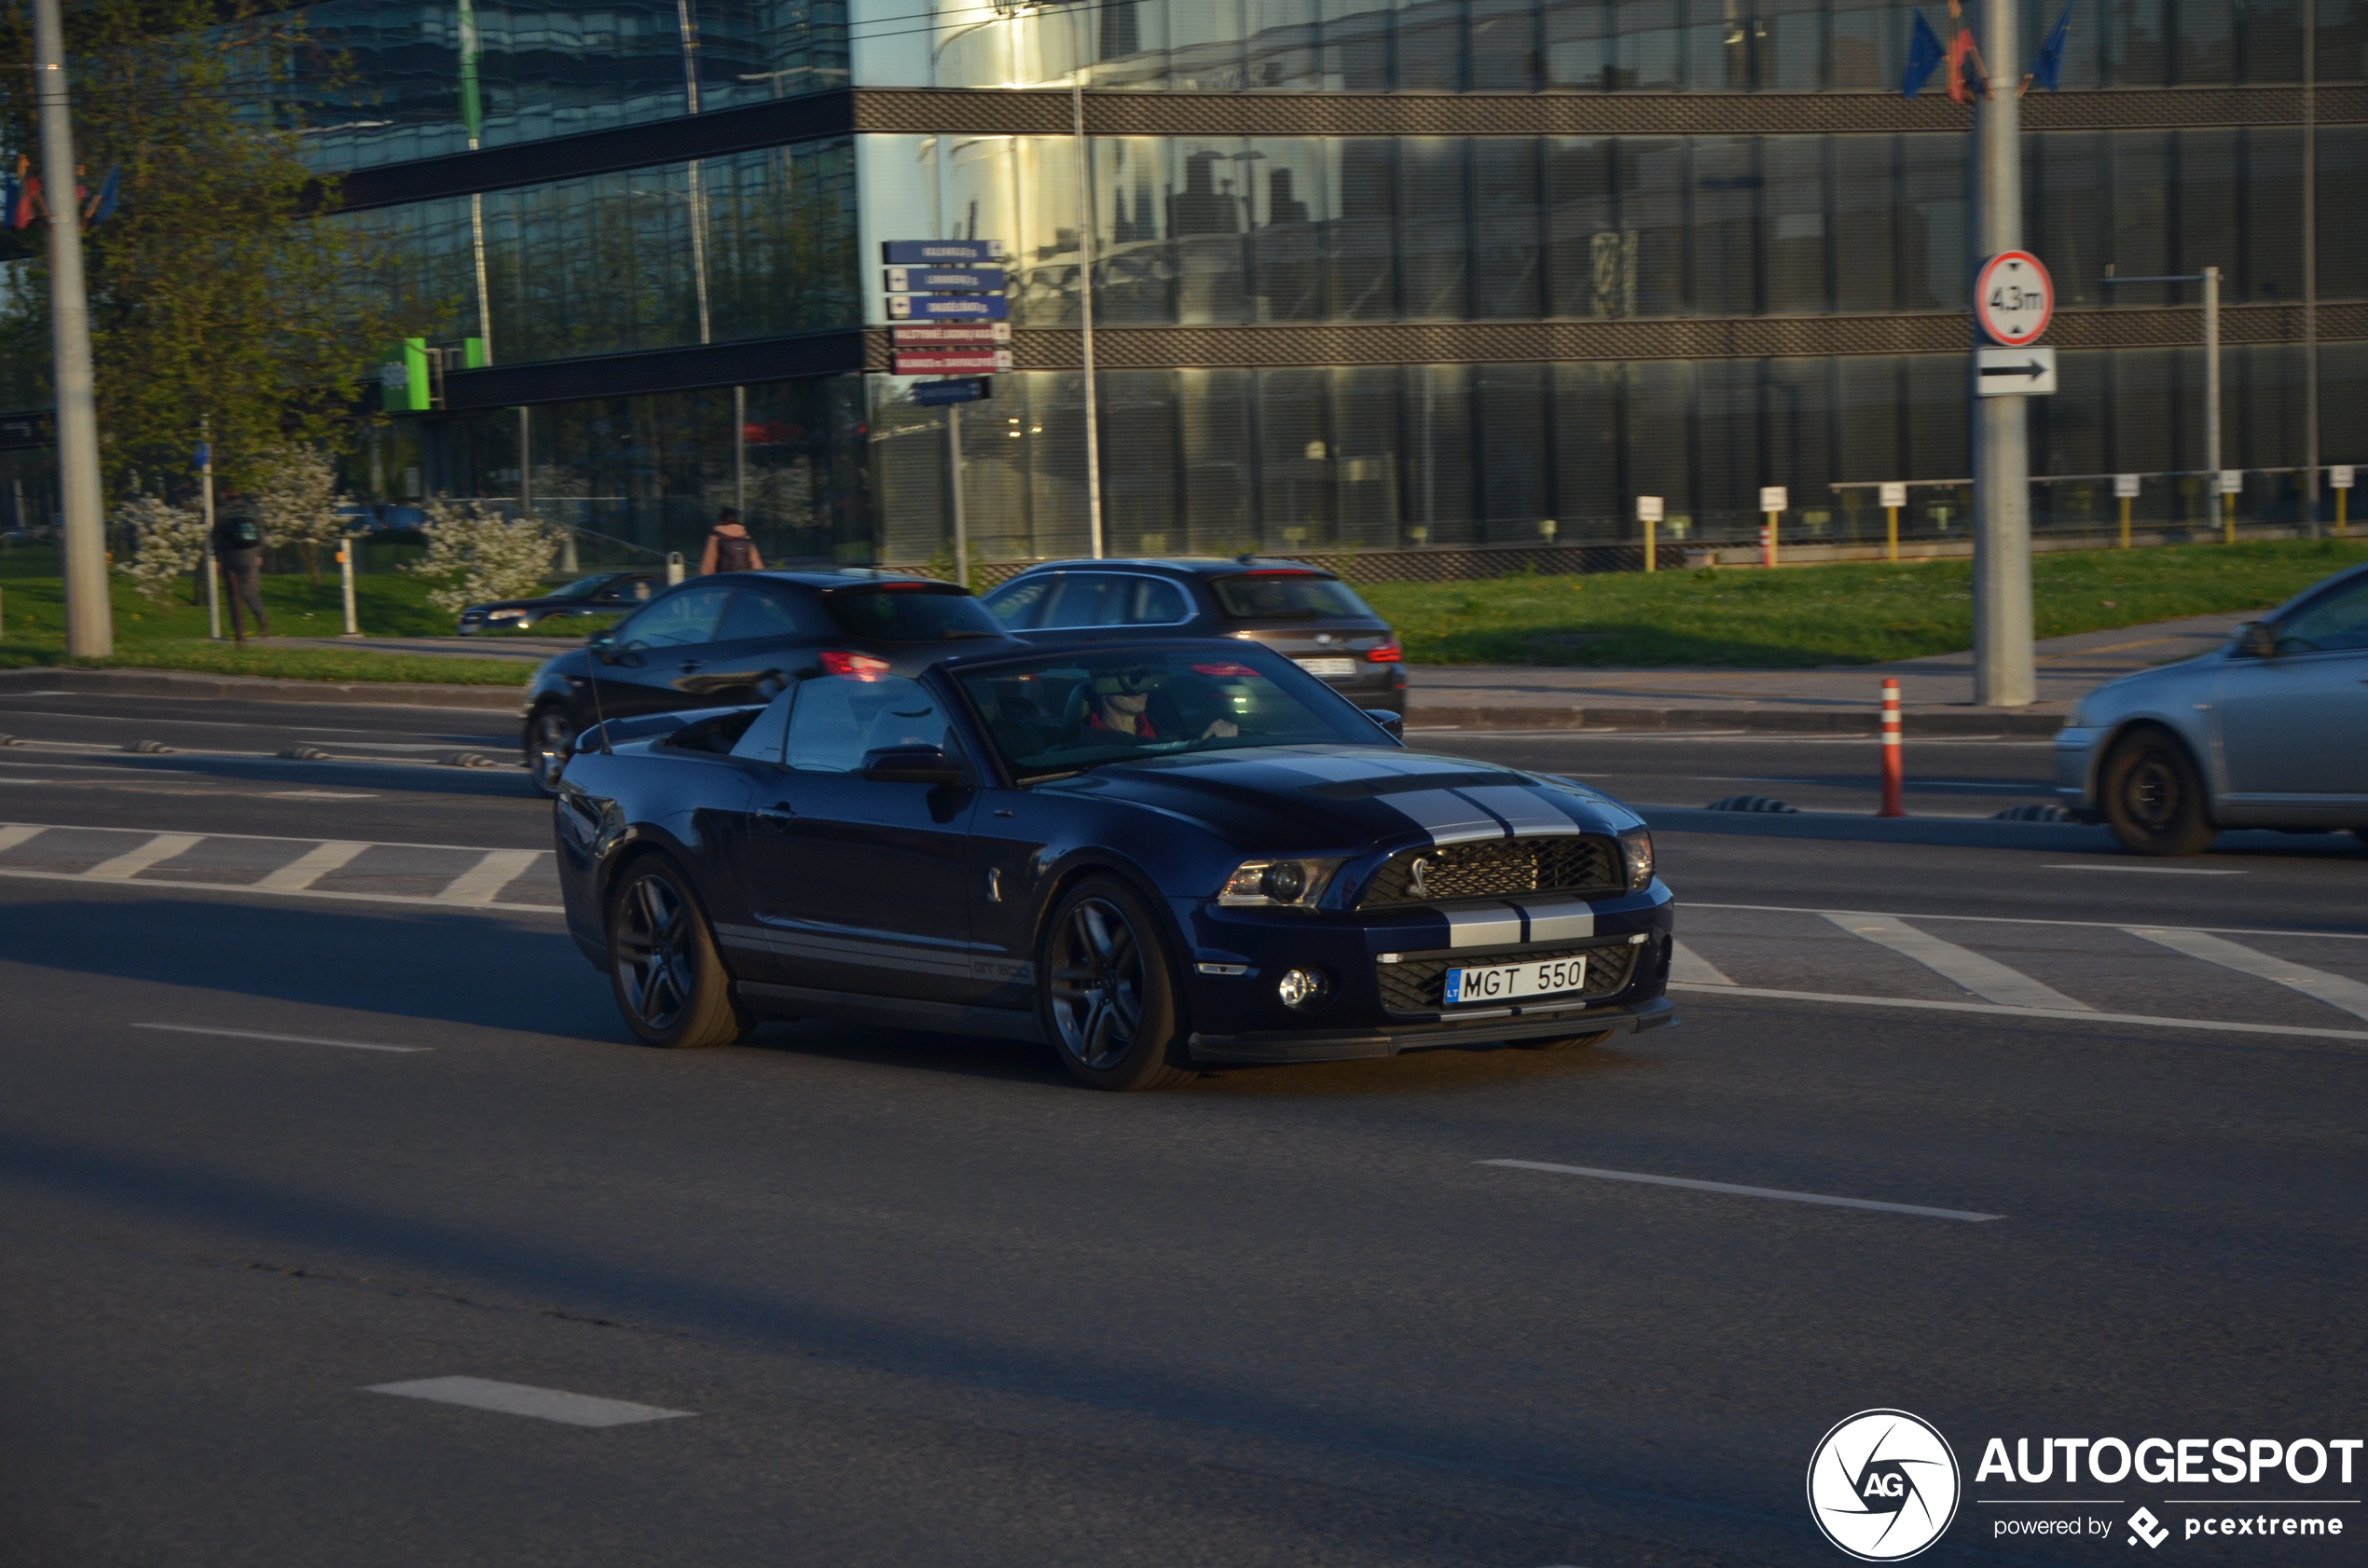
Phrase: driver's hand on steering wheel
x=1220 y=729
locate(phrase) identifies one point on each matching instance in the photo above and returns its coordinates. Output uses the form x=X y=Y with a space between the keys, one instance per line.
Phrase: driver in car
x=1121 y=709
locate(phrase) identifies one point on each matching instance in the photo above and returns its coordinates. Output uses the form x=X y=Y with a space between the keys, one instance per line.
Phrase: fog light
x=1304 y=988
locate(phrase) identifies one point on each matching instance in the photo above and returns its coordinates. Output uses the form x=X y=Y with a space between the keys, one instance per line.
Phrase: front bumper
x=1536 y=1023
x=2076 y=769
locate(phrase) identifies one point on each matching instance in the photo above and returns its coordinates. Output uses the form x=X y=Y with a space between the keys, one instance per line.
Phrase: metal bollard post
x=1895 y=784
x=345 y=571
x=673 y=567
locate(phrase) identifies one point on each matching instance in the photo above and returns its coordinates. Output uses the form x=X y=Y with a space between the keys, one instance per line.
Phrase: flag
x=2049 y=68
x=1924 y=53
x=103 y=205
x=472 y=102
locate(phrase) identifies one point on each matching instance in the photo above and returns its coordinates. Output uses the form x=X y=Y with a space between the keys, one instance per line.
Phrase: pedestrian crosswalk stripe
x=1985 y=978
x=2350 y=995
x=310 y=866
x=2215 y=1026
x=157 y=850
x=488 y=876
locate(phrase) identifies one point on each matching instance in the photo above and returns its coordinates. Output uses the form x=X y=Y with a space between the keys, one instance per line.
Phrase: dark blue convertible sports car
x=1153 y=857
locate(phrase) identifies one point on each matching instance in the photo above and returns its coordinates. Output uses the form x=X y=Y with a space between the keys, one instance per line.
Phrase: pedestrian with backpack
x=237 y=550
x=729 y=548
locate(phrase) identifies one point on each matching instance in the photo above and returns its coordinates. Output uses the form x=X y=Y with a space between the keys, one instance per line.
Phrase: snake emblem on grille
x=1414 y=879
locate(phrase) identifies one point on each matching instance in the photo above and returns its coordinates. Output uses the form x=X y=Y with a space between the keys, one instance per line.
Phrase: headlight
x=1278 y=883
x=1636 y=848
x=503 y=614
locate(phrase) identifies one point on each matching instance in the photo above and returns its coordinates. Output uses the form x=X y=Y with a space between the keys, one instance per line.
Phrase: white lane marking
x=310 y=866
x=12 y=834
x=1686 y=964
x=212 y=887
x=1985 y=978
x=489 y=875
x=316 y=796
x=131 y=862
x=2336 y=991
x=518 y=1398
x=2155 y=871
x=284 y=1040
x=1730 y=1187
x=2213 y=1024
x=274 y=838
x=2028 y=920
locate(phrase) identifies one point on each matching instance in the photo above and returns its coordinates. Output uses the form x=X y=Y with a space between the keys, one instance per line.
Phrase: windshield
x=1255 y=595
x=582 y=587
x=909 y=612
x=1069 y=712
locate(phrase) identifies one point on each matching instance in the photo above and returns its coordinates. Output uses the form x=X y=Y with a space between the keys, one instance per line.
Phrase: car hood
x=1315 y=799
x=2141 y=687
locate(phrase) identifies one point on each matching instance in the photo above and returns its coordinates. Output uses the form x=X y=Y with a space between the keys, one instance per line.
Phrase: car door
x=2293 y=725
x=655 y=657
x=860 y=884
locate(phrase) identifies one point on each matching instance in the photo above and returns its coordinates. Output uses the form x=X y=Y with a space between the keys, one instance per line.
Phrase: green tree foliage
x=218 y=306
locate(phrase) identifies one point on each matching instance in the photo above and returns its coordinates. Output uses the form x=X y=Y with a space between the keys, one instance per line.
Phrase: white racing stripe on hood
x=1522 y=811
x=1447 y=816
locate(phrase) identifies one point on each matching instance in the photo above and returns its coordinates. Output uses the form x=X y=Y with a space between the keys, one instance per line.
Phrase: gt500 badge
x=1883 y=1485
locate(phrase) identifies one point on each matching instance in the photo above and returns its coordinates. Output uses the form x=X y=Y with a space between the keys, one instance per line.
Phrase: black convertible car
x=1153 y=857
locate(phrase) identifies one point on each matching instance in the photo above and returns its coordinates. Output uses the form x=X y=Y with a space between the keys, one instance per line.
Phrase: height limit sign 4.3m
x=2014 y=300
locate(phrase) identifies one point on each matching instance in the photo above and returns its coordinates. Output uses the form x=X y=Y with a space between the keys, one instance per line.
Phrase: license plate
x=1503 y=982
x=1328 y=666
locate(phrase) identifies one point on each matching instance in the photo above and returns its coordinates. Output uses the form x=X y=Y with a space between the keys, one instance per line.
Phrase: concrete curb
x=249 y=688
x=1762 y=720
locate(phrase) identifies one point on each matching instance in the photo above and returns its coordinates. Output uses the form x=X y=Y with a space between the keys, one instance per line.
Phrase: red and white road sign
x=950 y=362
x=982 y=334
x=2014 y=299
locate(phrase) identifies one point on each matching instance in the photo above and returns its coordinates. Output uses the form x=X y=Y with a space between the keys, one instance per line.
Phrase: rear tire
x=550 y=737
x=1568 y=1042
x=1106 y=992
x=2154 y=796
x=668 y=979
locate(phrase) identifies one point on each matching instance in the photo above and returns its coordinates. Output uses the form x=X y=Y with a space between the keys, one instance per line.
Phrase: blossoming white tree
x=170 y=539
x=476 y=552
x=298 y=502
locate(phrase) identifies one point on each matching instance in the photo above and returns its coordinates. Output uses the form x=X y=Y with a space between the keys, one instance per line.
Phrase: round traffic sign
x=2014 y=299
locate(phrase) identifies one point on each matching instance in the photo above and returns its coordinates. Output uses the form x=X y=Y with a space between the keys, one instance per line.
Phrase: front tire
x=550 y=737
x=2154 y=796
x=1107 y=993
x=668 y=979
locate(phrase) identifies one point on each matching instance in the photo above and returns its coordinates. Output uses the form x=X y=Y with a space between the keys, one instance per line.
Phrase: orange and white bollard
x=1894 y=782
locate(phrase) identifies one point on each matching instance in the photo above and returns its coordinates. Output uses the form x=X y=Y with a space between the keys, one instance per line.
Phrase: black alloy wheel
x=2155 y=797
x=670 y=980
x=549 y=739
x=1108 y=992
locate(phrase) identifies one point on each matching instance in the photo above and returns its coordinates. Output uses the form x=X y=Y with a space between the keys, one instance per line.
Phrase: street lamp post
x=2005 y=674
x=89 y=617
x=2210 y=277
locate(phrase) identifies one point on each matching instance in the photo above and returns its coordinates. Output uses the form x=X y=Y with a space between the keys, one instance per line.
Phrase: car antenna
x=592 y=659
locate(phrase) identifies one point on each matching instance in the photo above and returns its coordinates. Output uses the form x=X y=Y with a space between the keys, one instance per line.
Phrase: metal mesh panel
x=1556 y=863
x=1418 y=984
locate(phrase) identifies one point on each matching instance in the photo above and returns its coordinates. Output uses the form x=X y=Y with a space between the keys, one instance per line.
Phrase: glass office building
x=1436 y=285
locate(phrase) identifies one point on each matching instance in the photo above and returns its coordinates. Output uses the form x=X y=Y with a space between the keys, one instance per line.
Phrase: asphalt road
x=894 y=1298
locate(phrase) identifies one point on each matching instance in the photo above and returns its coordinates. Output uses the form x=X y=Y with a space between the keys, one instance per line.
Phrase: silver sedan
x=2269 y=731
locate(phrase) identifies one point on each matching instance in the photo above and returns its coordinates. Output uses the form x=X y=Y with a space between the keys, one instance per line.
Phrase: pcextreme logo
x=1883 y=1485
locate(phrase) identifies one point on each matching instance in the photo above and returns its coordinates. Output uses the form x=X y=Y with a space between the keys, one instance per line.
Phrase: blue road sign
x=948 y=308
x=929 y=393
x=940 y=253
x=945 y=279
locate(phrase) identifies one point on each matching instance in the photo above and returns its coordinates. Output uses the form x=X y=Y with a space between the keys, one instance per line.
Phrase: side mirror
x=912 y=765
x=2258 y=639
x=603 y=646
x=1393 y=724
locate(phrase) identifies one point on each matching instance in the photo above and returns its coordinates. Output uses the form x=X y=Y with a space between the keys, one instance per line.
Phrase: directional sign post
x=2015 y=372
x=1649 y=511
x=2126 y=490
x=1893 y=496
x=1772 y=502
x=2339 y=481
x=2014 y=299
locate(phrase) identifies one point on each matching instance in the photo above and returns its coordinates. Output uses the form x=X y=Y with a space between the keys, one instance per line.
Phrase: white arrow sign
x=2014 y=372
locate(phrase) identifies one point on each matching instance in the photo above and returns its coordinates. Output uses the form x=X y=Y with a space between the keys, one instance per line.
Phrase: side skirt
x=896 y=1013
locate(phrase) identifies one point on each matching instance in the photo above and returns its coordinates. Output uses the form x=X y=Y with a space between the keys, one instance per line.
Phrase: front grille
x=1496 y=868
x=1419 y=985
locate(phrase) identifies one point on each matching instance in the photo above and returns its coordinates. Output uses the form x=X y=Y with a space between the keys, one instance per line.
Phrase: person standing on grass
x=729 y=548
x=237 y=550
